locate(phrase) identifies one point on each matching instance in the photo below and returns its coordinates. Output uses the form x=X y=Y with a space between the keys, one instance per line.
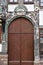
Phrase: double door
x=21 y=42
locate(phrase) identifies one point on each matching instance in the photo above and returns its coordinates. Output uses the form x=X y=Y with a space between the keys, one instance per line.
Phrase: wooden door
x=20 y=42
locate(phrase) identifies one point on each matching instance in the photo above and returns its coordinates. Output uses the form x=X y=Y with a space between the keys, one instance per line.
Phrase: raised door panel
x=14 y=49
x=27 y=49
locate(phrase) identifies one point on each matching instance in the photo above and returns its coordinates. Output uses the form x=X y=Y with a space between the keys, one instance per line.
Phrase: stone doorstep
x=6 y=63
x=4 y=60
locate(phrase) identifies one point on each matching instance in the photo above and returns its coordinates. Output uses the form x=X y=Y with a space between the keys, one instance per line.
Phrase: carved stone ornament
x=20 y=10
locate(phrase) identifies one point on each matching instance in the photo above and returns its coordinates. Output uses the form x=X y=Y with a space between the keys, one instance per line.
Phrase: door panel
x=26 y=26
x=20 y=42
x=27 y=63
x=14 y=50
x=21 y=25
x=14 y=63
x=27 y=49
x=15 y=26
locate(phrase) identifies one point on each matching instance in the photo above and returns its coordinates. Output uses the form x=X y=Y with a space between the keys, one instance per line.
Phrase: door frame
x=36 y=35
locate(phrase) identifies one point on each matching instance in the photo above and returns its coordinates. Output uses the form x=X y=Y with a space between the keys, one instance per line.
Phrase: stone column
x=36 y=50
x=36 y=46
x=4 y=45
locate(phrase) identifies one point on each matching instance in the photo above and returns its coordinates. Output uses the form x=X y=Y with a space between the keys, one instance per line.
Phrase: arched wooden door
x=20 y=42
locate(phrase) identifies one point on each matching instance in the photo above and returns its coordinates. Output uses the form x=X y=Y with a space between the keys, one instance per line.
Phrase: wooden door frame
x=36 y=35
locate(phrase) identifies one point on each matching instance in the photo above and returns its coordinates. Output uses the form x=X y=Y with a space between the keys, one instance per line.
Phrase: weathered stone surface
x=40 y=63
x=3 y=60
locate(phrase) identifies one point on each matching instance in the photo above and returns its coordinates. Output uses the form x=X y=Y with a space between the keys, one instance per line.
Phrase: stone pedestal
x=4 y=59
x=36 y=63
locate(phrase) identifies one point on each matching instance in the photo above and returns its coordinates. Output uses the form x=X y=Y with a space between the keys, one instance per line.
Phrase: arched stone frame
x=36 y=36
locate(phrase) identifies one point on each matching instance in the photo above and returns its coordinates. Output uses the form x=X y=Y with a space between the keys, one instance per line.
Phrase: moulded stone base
x=3 y=60
x=36 y=63
x=40 y=63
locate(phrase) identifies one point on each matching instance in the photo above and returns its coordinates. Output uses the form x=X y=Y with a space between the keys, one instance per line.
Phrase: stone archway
x=21 y=42
x=36 y=35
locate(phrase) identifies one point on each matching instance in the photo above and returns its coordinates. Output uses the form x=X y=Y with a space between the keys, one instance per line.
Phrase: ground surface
x=4 y=60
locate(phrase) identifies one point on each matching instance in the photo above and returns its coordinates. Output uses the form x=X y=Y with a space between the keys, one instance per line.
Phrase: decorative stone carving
x=20 y=10
x=36 y=36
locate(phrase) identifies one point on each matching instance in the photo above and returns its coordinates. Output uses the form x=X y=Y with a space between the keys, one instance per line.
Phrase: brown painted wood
x=20 y=42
